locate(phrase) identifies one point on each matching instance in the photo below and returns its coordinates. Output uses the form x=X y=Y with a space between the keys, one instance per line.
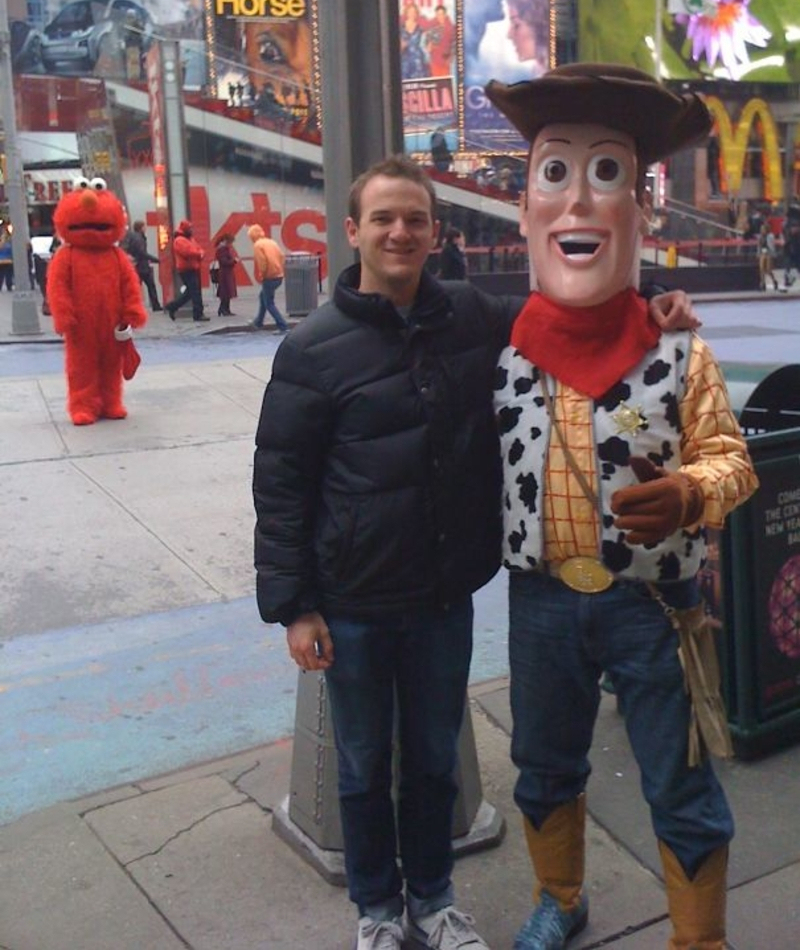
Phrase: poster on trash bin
x=775 y=563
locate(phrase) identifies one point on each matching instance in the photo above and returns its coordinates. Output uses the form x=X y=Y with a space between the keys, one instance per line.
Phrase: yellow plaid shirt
x=713 y=451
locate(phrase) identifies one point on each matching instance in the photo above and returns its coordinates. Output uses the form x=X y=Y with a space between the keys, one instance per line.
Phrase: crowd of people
x=188 y=258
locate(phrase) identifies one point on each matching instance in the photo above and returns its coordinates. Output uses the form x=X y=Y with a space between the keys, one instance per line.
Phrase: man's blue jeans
x=266 y=302
x=422 y=659
x=560 y=642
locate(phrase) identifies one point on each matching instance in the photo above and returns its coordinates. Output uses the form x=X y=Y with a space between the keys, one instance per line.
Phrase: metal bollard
x=308 y=818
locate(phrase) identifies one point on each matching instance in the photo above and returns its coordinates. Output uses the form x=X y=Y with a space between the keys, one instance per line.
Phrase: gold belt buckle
x=586 y=575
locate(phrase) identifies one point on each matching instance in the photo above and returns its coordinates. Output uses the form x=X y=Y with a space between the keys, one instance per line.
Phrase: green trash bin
x=752 y=579
x=301 y=283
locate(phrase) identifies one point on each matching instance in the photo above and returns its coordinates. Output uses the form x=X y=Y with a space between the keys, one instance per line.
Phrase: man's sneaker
x=446 y=929
x=380 y=934
x=549 y=927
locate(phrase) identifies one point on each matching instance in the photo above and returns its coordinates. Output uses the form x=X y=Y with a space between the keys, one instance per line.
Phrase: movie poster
x=428 y=66
x=507 y=40
x=265 y=59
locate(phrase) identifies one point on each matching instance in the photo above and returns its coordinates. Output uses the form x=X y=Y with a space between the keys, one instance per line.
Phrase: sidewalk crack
x=181 y=832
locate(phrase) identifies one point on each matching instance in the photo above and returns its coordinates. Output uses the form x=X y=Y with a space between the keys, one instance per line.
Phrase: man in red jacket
x=188 y=257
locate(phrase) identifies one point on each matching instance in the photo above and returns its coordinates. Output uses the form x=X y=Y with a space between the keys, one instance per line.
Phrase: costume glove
x=658 y=506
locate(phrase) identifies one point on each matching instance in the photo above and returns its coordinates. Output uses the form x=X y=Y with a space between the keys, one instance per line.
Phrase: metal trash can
x=301 y=277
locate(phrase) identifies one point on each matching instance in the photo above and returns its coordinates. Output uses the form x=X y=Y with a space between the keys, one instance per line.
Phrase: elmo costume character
x=93 y=290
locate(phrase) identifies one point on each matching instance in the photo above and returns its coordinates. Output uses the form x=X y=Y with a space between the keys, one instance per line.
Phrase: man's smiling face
x=394 y=234
x=580 y=213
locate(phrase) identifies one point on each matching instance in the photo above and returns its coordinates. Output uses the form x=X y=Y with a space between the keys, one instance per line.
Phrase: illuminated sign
x=733 y=138
x=261 y=9
x=756 y=41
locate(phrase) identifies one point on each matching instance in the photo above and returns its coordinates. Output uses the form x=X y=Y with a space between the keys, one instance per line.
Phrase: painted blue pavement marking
x=87 y=708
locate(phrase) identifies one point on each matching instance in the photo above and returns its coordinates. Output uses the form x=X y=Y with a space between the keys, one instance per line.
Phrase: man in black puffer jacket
x=377 y=493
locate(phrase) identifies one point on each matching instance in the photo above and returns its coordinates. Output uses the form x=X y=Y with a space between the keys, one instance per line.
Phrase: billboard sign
x=265 y=54
x=428 y=66
x=106 y=39
x=505 y=41
x=449 y=50
x=757 y=41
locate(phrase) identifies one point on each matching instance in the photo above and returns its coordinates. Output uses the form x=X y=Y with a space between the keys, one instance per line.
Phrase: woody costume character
x=618 y=445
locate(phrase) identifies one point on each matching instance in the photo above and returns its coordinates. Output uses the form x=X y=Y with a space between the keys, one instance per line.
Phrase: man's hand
x=310 y=644
x=658 y=506
x=673 y=311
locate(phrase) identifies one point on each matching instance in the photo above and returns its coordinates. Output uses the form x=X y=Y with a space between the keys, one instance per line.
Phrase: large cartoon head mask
x=593 y=129
x=90 y=216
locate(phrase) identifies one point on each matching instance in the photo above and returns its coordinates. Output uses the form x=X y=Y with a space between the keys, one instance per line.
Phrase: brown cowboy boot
x=696 y=906
x=557 y=851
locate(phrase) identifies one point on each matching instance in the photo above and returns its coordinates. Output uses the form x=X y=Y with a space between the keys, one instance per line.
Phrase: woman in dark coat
x=227 y=258
x=452 y=259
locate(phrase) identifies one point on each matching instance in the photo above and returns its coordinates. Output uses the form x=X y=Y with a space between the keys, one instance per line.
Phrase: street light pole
x=24 y=311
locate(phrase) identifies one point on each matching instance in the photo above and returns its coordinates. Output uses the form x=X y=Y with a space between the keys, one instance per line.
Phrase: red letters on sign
x=237 y=222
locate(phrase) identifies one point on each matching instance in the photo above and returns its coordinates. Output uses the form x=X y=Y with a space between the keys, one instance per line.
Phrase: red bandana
x=588 y=348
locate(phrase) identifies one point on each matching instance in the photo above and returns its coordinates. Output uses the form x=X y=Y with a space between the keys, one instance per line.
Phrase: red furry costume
x=92 y=288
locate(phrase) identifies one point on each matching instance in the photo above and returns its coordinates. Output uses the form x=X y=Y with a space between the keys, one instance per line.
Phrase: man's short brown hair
x=396 y=166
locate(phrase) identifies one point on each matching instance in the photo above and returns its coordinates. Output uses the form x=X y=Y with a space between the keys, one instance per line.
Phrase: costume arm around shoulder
x=713 y=449
x=291 y=442
x=501 y=311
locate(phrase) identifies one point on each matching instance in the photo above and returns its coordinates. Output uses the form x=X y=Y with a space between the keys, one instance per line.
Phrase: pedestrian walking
x=791 y=247
x=766 y=257
x=135 y=246
x=6 y=259
x=268 y=263
x=226 y=259
x=188 y=260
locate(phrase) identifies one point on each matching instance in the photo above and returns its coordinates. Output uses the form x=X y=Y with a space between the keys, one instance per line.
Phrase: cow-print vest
x=654 y=388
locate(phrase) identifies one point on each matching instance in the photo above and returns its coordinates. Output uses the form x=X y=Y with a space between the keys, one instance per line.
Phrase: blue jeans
x=560 y=641
x=266 y=302
x=423 y=660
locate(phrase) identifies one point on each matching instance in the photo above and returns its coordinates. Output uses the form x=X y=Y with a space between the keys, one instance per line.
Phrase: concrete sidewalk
x=136 y=528
x=190 y=859
x=159 y=325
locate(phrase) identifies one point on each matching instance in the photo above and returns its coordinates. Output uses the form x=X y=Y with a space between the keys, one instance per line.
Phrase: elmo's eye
x=81 y=183
x=98 y=184
x=553 y=174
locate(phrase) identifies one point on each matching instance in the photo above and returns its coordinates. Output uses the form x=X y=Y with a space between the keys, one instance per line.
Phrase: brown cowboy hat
x=621 y=97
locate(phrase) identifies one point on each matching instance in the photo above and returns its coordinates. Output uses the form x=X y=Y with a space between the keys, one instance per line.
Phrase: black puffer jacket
x=377 y=467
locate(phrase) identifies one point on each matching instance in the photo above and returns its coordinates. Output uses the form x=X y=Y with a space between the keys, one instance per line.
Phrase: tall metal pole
x=24 y=311
x=361 y=104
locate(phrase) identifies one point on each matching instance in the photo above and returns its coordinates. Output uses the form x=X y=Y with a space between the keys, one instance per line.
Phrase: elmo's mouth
x=90 y=226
